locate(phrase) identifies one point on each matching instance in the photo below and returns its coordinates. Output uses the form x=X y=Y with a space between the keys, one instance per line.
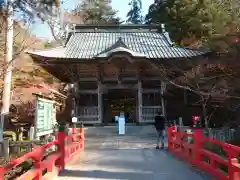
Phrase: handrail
x=34 y=155
x=210 y=162
x=67 y=147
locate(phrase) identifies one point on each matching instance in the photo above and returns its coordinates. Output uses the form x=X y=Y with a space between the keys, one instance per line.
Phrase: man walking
x=160 y=126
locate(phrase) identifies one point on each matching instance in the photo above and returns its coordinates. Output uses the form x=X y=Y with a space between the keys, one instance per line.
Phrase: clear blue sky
x=41 y=30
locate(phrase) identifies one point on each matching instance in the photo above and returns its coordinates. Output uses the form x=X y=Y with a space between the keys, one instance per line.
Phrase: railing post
x=74 y=128
x=82 y=138
x=74 y=132
x=61 y=141
x=232 y=160
x=170 y=136
x=198 y=143
x=2 y=172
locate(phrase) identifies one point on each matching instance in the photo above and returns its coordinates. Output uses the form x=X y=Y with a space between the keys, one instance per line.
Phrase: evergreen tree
x=134 y=16
x=204 y=20
x=97 y=12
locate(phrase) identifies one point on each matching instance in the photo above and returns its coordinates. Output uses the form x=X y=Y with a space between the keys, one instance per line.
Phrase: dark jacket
x=159 y=122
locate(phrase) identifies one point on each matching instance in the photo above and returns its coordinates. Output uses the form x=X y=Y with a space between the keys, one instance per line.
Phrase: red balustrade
x=191 y=147
x=67 y=147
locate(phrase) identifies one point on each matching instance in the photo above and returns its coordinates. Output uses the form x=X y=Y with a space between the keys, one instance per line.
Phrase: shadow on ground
x=128 y=167
x=99 y=174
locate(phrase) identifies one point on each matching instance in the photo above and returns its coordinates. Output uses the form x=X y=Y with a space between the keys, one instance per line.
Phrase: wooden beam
x=120 y=73
x=92 y=79
x=115 y=78
x=151 y=91
x=112 y=78
x=139 y=74
x=119 y=86
x=99 y=75
x=87 y=91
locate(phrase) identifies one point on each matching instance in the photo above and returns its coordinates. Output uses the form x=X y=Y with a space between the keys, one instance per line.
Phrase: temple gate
x=109 y=69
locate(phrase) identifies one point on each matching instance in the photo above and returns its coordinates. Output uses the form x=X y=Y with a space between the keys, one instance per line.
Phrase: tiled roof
x=92 y=43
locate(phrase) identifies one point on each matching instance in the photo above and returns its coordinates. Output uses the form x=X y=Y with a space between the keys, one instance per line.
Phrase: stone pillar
x=100 y=103
x=163 y=88
x=140 y=101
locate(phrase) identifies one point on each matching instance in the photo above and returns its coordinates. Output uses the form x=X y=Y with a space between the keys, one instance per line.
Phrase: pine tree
x=135 y=14
x=97 y=12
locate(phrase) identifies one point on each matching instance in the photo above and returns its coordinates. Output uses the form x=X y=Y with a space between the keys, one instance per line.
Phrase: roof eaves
x=54 y=52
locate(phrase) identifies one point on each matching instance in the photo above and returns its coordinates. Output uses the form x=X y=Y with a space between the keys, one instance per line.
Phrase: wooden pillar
x=185 y=96
x=100 y=103
x=140 y=101
x=75 y=106
x=163 y=88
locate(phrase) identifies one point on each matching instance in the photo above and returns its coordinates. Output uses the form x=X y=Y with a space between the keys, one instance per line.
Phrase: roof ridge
x=117 y=26
x=114 y=31
x=167 y=38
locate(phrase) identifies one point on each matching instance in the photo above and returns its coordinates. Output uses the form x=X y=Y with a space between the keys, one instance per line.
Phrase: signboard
x=196 y=121
x=74 y=119
x=121 y=125
x=116 y=118
x=44 y=117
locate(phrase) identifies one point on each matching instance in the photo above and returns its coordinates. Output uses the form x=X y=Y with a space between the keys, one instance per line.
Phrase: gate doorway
x=116 y=101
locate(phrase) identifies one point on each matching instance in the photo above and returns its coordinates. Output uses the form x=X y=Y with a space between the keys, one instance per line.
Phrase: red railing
x=192 y=148
x=67 y=147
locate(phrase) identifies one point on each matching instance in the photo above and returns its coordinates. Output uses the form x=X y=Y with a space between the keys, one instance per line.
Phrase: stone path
x=131 y=157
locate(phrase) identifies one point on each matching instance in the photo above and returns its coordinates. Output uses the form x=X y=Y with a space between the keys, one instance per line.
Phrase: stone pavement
x=130 y=157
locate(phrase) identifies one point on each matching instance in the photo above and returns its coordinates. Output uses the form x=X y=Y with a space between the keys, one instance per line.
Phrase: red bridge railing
x=193 y=148
x=48 y=168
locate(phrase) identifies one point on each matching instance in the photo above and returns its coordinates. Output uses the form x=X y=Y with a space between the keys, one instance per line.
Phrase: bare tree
x=42 y=9
x=207 y=81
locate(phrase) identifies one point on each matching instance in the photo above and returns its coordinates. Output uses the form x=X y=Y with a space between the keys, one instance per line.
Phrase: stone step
x=113 y=130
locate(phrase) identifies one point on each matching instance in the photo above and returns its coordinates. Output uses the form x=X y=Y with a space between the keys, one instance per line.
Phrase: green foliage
x=204 y=20
x=51 y=44
x=26 y=165
x=97 y=12
x=48 y=45
x=10 y=135
x=135 y=14
x=49 y=80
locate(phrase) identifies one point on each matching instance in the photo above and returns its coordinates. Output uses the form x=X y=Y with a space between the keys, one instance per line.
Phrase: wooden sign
x=44 y=117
